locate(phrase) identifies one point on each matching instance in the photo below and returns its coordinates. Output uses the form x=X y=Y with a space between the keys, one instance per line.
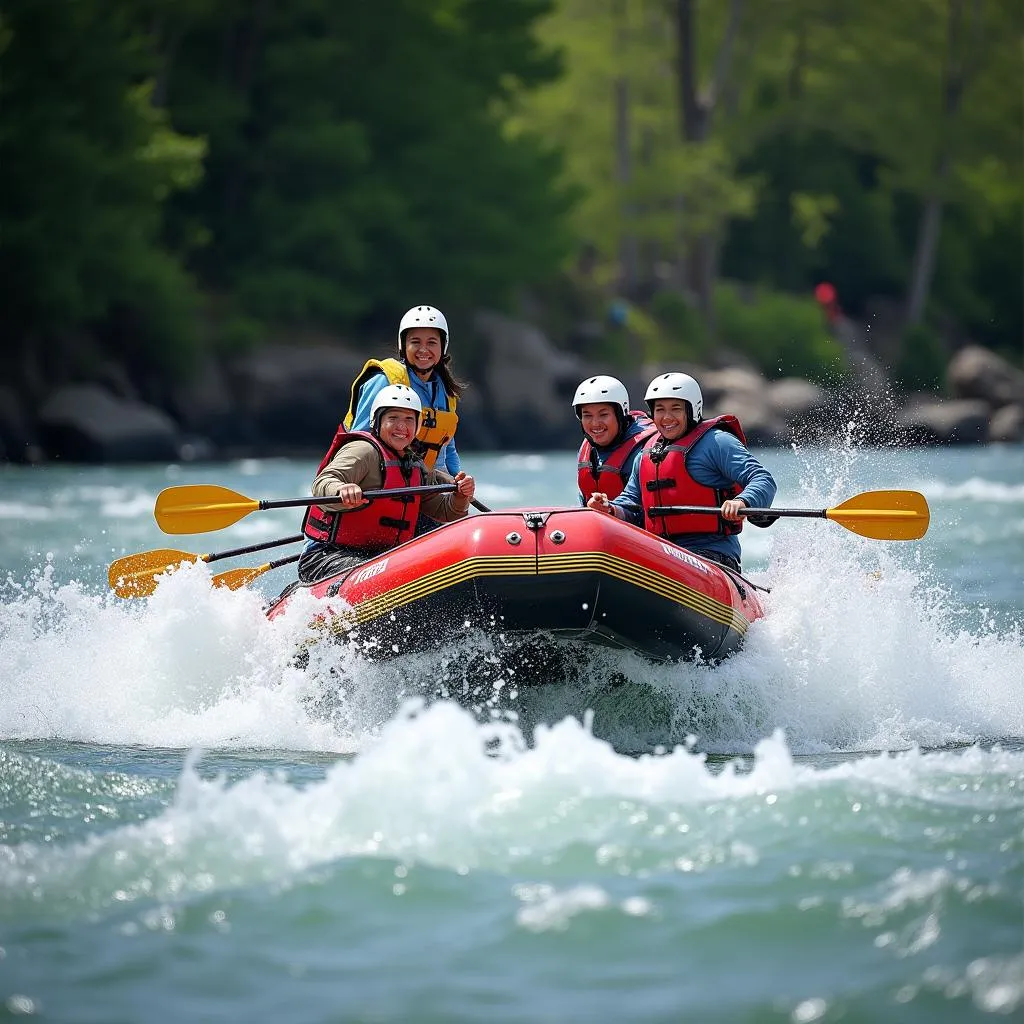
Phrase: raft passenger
x=422 y=349
x=613 y=436
x=351 y=529
x=694 y=461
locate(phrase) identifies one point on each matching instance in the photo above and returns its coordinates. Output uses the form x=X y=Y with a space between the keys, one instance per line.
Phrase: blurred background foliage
x=183 y=177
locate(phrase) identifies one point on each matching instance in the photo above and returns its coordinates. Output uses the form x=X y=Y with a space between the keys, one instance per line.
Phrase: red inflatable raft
x=570 y=574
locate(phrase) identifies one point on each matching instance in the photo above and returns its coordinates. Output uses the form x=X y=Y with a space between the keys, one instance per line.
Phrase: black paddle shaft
x=388 y=492
x=248 y=550
x=278 y=562
x=766 y=513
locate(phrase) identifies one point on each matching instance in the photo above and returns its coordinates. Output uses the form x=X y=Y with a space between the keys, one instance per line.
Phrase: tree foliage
x=875 y=144
x=309 y=162
x=358 y=153
x=324 y=161
x=86 y=162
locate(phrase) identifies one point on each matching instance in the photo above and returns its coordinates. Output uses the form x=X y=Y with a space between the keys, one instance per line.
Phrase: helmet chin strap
x=620 y=418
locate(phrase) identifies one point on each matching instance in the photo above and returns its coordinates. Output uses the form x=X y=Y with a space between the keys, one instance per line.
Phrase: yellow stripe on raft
x=530 y=565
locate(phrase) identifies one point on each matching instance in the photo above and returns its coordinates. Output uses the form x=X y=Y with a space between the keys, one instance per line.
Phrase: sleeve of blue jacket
x=721 y=459
x=362 y=420
x=452 y=461
x=629 y=499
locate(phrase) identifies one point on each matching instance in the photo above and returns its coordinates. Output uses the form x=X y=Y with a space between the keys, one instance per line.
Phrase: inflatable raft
x=569 y=575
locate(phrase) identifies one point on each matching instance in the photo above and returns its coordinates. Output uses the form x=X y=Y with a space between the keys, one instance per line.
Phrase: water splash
x=865 y=646
x=437 y=788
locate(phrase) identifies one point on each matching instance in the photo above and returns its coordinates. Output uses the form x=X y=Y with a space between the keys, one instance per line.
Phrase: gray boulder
x=293 y=396
x=977 y=372
x=1007 y=425
x=529 y=384
x=797 y=399
x=86 y=423
x=745 y=394
x=206 y=408
x=17 y=438
x=934 y=421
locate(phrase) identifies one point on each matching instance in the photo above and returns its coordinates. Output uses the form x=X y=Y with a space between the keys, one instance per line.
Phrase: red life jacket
x=665 y=480
x=610 y=476
x=379 y=525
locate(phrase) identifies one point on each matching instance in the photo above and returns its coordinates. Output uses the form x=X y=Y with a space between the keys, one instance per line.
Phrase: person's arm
x=629 y=502
x=449 y=506
x=724 y=460
x=452 y=460
x=361 y=419
x=357 y=464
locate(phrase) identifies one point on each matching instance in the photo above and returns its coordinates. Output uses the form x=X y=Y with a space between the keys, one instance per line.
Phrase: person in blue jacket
x=423 y=364
x=694 y=461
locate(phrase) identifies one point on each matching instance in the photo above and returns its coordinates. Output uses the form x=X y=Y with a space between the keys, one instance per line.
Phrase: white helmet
x=601 y=389
x=423 y=316
x=675 y=385
x=395 y=396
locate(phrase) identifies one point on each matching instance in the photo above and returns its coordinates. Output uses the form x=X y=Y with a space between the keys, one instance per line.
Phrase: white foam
x=861 y=649
x=976 y=489
x=437 y=788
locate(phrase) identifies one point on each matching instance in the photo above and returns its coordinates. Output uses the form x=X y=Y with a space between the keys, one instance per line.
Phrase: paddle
x=235 y=578
x=135 y=575
x=880 y=515
x=478 y=505
x=202 y=508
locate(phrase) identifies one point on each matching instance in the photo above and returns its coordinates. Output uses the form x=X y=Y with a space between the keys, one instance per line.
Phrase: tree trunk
x=696 y=112
x=628 y=250
x=956 y=77
x=926 y=248
x=628 y=255
x=691 y=114
x=245 y=52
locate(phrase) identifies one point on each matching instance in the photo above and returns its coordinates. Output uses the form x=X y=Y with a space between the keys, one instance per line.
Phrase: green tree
x=814 y=140
x=358 y=155
x=933 y=90
x=86 y=163
x=652 y=188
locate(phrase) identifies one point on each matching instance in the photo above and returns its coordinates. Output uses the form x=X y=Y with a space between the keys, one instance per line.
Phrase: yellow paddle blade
x=200 y=508
x=235 y=578
x=135 y=575
x=884 y=515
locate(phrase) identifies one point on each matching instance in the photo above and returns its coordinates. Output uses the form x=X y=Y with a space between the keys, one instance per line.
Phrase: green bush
x=682 y=323
x=784 y=335
x=922 y=362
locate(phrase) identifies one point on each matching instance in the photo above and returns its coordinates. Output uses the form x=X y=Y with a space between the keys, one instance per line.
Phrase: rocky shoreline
x=287 y=399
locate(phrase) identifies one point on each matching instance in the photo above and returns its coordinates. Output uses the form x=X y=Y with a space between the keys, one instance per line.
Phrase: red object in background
x=825 y=294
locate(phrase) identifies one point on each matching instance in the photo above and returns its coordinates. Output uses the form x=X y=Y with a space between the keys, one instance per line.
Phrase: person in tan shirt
x=347 y=531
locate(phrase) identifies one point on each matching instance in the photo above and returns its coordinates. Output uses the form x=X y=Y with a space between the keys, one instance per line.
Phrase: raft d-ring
x=513 y=538
x=557 y=537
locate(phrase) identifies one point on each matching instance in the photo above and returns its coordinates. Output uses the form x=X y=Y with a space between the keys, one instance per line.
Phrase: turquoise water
x=828 y=826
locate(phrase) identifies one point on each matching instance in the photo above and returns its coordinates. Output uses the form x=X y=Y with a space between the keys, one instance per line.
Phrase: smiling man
x=349 y=529
x=693 y=461
x=613 y=436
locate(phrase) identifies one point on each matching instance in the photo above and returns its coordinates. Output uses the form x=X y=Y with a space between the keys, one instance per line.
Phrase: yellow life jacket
x=437 y=426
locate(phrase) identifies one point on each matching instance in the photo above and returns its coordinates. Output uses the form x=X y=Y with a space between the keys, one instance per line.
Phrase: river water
x=828 y=826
